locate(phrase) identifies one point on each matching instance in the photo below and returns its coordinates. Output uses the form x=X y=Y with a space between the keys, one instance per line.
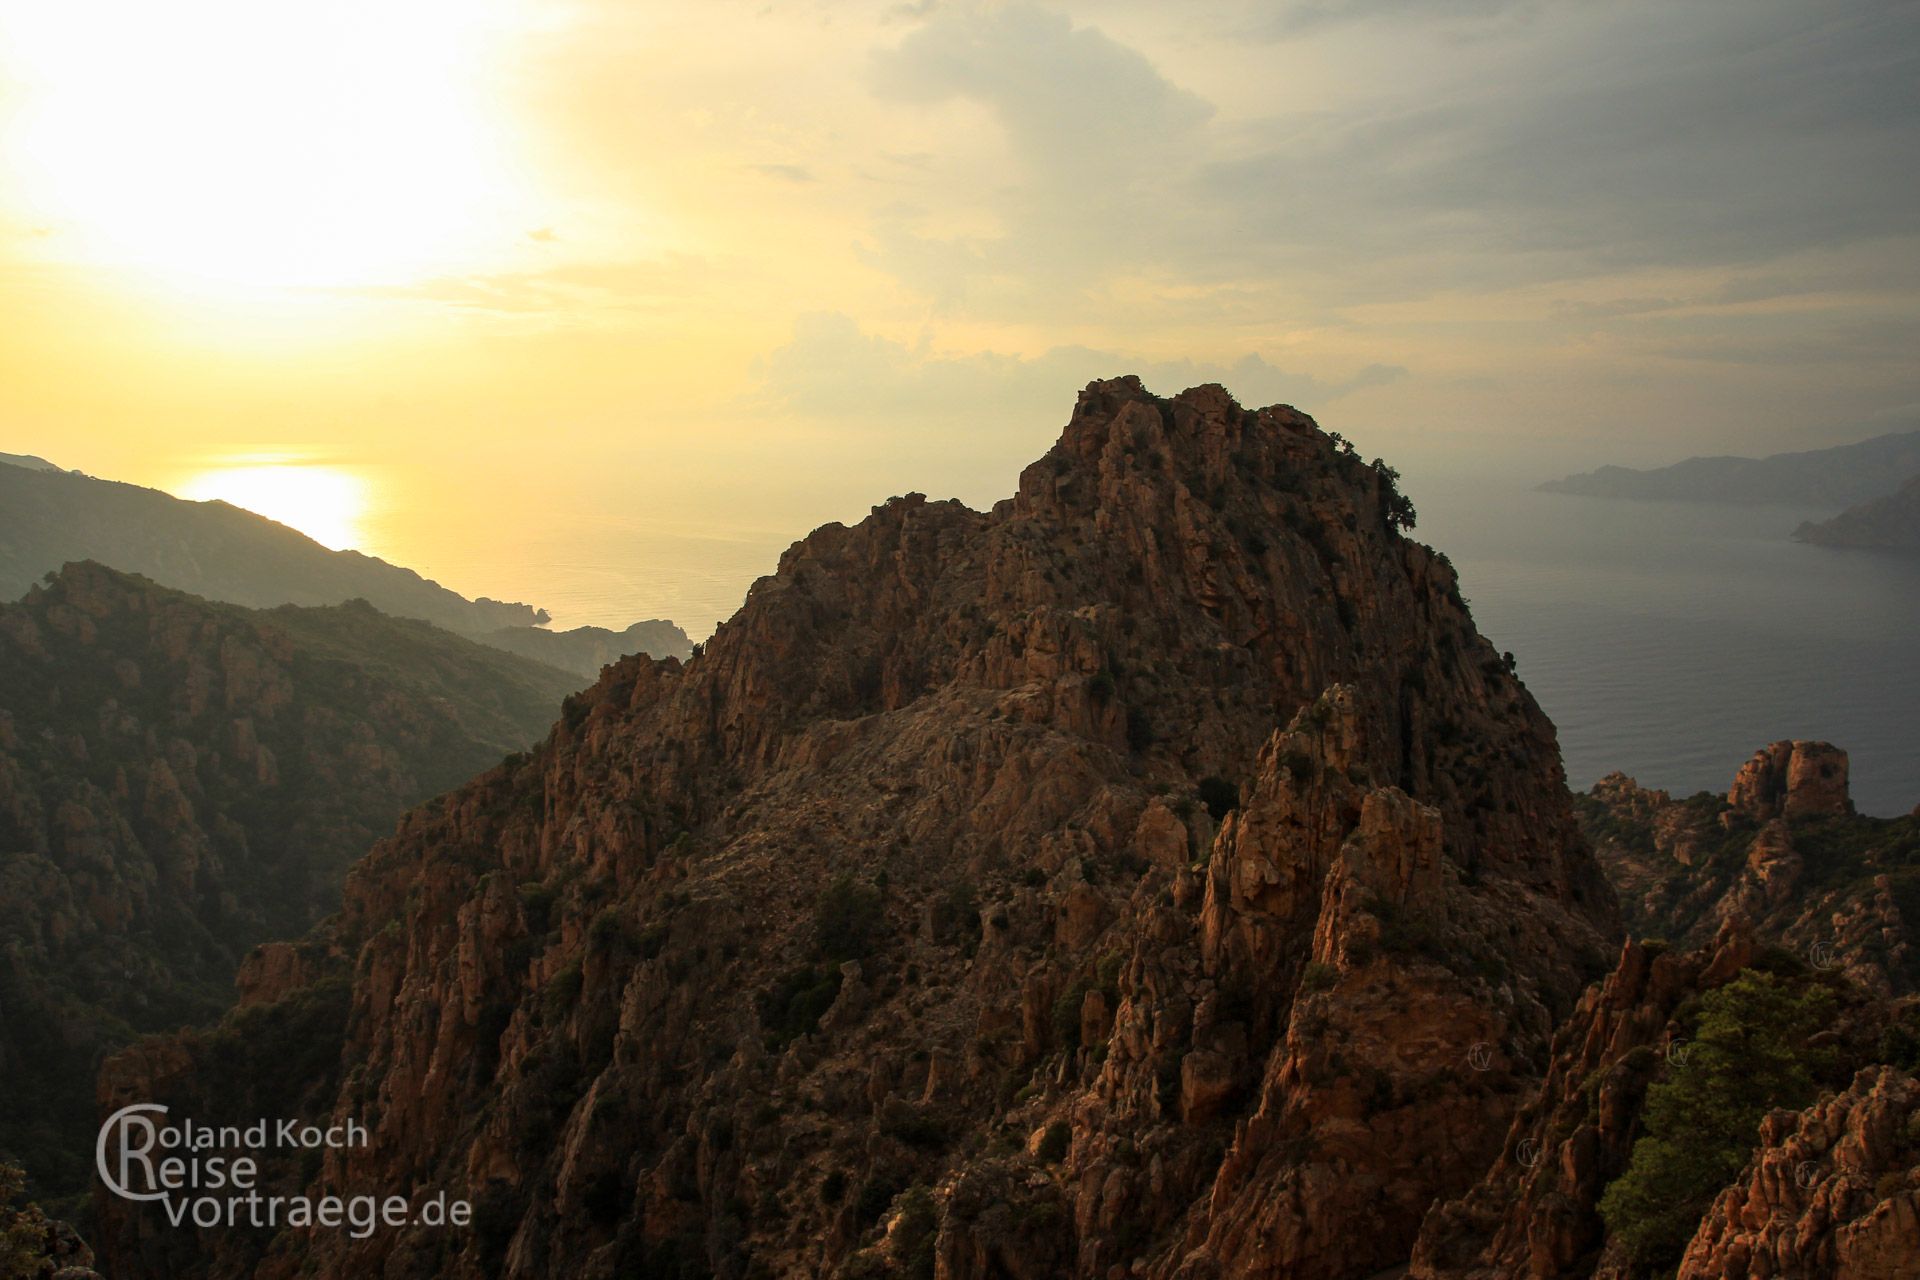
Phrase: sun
x=325 y=503
x=259 y=142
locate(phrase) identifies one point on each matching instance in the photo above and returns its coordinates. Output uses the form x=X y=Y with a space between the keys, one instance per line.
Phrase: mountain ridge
x=50 y=517
x=212 y=549
x=1890 y=523
x=1836 y=477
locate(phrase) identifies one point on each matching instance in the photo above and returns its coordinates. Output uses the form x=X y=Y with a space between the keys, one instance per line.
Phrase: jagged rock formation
x=1832 y=1191
x=1200 y=895
x=1783 y=850
x=1891 y=522
x=584 y=650
x=1792 y=780
x=180 y=780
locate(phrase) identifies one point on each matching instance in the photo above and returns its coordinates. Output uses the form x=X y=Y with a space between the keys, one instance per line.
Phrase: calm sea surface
x=1667 y=640
x=1672 y=640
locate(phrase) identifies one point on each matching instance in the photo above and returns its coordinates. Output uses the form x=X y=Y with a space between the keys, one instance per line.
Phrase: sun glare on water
x=328 y=504
x=255 y=143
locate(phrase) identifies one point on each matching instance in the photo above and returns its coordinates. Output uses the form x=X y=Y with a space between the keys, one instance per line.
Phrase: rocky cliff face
x=1154 y=873
x=180 y=780
x=1832 y=1191
x=1783 y=850
x=1792 y=780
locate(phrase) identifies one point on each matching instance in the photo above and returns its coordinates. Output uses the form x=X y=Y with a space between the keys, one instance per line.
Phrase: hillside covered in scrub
x=181 y=780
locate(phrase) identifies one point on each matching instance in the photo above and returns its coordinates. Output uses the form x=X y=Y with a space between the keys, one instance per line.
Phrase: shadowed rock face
x=1212 y=894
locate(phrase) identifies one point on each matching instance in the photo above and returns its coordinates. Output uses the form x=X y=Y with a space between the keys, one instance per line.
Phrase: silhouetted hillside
x=50 y=517
x=587 y=649
x=1891 y=523
x=1837 y=477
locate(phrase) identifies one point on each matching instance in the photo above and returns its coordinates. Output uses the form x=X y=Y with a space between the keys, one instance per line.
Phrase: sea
x=1671 y=640
x=1666 y=640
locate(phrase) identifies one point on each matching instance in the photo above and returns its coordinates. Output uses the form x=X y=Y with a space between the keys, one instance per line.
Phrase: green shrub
x=653 y=939
x=536 y=904
x=956 y=917
x=1408 y=932
x=1317 y=976
x=563 y=990
x=607 y=929
x=875 y=1194
x=23 y=1229
x=1066 y=1014
x=1300 y=765
x=793 y=1006
x=914 y=1233
x=1140 y=734
x=1054 y=1142
x=915 y=1127
x=847 y=920
x=1748 y=1055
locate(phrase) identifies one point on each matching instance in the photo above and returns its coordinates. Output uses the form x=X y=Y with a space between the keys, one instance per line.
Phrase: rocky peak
x=1168 y=796
x=1792 y=780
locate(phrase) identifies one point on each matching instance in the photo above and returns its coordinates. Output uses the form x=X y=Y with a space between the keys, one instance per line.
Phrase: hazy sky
x=764 y=264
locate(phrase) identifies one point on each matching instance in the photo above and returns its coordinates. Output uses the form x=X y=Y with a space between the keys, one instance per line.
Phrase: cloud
x=834 y=370
x=1597 y=139
x=562 y=290
x=1302 y=19
x=1683 y=134
x=1093 y=135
